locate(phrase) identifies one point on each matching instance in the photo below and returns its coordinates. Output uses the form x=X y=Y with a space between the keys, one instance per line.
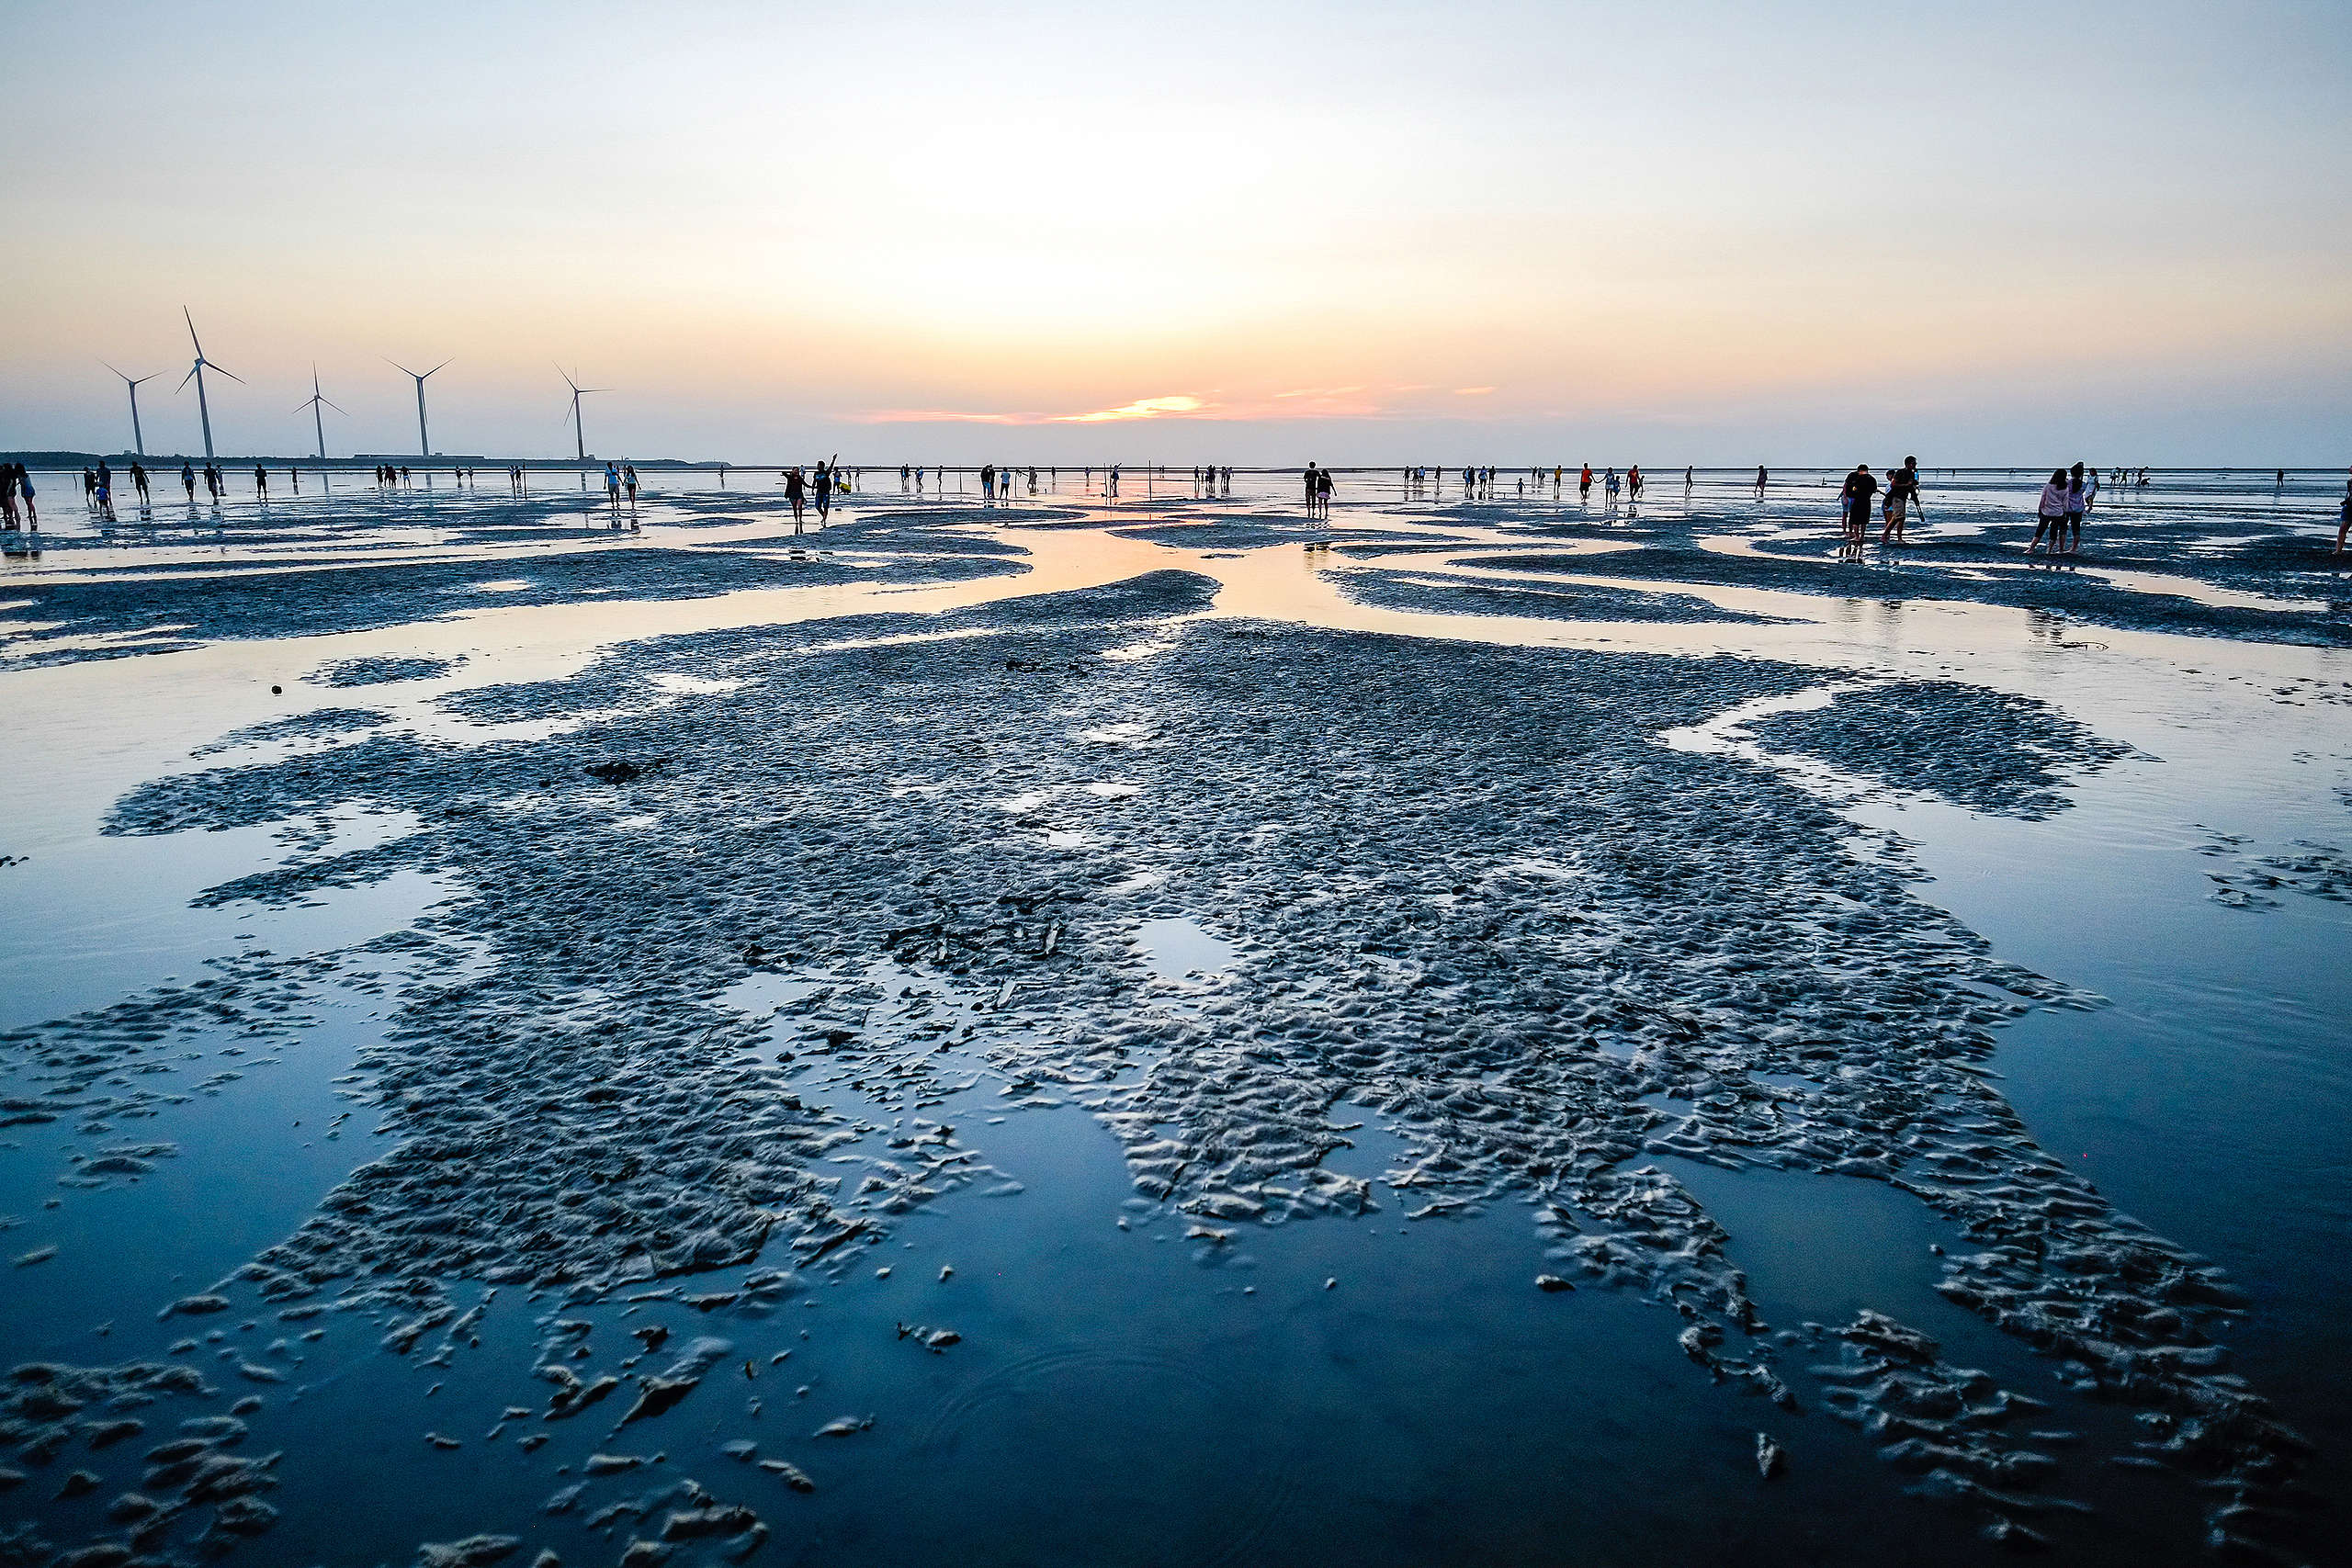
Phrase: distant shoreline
x=366 y=462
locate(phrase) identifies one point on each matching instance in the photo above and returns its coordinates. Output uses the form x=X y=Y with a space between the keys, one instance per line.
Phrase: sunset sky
x=1244 y=232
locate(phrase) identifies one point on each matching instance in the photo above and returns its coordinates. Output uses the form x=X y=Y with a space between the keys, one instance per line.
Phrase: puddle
x=1177 y=948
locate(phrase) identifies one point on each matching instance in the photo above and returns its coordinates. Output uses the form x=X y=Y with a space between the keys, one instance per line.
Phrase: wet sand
x=1154 y=1031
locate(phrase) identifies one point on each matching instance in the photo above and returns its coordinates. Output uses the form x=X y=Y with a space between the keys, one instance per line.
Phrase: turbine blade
x=187 y=378
x=233 y=375
x=338 y=408
x=440 y=367
x=117 y=372
x=191 y=333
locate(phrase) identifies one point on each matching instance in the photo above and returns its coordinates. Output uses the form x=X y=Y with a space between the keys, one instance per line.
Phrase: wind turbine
x=138 y=442
x=196 y=374
x=312 y=402
x=424 y=448
x=579 y=436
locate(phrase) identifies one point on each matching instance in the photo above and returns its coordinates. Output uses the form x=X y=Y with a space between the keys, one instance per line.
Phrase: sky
x=1247 y=231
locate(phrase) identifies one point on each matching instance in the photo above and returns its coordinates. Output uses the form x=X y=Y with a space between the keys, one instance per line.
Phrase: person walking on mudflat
x=796 y=490
x=2343 y=515
x=2052 y=515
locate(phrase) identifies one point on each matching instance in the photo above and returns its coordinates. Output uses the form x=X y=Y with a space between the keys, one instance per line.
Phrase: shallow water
x=1123 y=1389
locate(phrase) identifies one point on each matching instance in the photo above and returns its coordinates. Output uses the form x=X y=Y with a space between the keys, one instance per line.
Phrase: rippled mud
x=110 y=617
x=1987 y=751
x=2072 y=589
x=1440 y=594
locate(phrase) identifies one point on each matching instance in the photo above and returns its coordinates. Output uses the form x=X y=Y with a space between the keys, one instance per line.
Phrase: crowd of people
x=2067 y=501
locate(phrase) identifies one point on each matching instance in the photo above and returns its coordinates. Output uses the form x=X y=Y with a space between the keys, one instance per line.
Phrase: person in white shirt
x=2052 y=515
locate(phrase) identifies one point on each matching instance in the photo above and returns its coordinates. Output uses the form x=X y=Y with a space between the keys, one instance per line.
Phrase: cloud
x=941 y=416
x=1175 y=406
x=1296 y=402
x=1472 y=391
x=1179 y=406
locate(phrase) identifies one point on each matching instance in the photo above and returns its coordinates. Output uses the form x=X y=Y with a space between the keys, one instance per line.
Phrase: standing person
x=1307 y=484
x=105 y=497
x=32 y=513
x=1687 y=480
x=825 y=489
x=613 y=485
x=796 y=490
x=2090 y=491
x=1861 y=486
x=1762 y=479
x=1323 y=491
x=187 y=483
x=89 y=488
x=2075 y=502
x=139 y=482
x=628 y=480
x=1584 y=483
x=2051 y=513
x=1608 y=484
x=988 y=479
x=2343 y=513
x=261 y=482
x=1901 y=496
x=1633 y=482
x=8 y=519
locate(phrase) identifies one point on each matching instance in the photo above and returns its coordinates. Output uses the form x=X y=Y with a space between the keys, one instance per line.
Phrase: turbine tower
x=424 y=446
x=138 y=441
x=196 y=374
x=312 y=402
x=579 y=436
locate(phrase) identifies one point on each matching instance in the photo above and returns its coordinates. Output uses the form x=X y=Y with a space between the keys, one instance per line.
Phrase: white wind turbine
x=312 y=402
x=196 y=374
x=138 y=441
x=579 y=436
x=424 y=446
